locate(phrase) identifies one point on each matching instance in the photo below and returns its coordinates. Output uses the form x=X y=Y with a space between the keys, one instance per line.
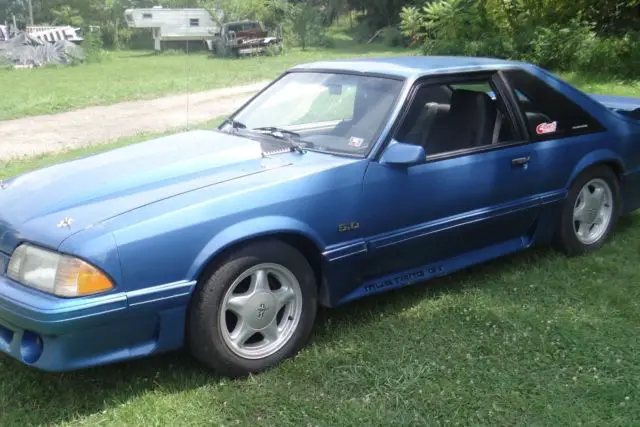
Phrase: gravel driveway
x=31 y=136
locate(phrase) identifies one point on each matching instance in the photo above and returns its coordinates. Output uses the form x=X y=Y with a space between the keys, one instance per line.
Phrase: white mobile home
x=174 y=24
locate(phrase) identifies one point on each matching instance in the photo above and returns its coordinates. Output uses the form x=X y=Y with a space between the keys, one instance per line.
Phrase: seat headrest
x=466 y=99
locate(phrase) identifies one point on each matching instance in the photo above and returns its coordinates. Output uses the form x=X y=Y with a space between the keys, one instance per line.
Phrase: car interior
x=371 y=105
x=444 y=118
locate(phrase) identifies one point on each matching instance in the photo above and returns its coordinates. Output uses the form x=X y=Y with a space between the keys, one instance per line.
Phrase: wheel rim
x=592 y=211
x=261 y=311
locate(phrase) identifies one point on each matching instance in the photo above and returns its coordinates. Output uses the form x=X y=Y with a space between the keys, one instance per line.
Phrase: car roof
x=410 y=66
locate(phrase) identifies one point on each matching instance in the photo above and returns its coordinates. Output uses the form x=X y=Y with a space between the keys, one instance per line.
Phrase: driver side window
x=448 y=117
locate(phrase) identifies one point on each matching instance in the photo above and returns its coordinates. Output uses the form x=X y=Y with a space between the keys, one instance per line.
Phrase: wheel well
x=615 y=167
x=303 y=244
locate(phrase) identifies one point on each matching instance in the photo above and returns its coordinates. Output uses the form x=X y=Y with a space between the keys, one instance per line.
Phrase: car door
x=459 y=207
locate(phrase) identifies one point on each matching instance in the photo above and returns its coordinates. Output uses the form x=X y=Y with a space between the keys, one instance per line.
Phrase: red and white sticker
x=356 y=142
x=544 y=128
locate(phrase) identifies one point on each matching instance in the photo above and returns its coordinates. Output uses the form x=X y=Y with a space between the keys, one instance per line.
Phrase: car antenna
x=188 y=73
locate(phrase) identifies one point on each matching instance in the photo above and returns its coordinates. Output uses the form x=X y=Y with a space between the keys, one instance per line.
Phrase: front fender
x=251 y=229
x=604 y=155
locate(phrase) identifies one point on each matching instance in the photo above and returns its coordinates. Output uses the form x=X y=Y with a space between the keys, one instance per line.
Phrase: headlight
x=55 y=273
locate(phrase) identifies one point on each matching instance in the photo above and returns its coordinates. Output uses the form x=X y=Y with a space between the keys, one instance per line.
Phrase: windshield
x=340 y=113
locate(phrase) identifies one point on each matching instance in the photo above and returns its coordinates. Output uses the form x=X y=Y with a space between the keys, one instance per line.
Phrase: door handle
x=519 y=161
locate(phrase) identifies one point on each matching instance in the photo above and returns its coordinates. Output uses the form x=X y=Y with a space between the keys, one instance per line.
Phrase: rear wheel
x=590 y=211
x=255 y=310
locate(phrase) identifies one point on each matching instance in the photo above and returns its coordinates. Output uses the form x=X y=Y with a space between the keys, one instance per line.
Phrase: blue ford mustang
x=341 y=179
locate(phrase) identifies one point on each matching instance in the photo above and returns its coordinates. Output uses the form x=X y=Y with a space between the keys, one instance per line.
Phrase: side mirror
x=401 y=154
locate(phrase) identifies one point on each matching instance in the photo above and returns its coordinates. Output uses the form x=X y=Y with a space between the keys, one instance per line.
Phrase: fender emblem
x=65 y=223
x=348 y=227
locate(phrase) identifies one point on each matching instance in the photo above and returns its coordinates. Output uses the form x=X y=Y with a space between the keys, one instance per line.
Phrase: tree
x=305 y=22
x=66 y=15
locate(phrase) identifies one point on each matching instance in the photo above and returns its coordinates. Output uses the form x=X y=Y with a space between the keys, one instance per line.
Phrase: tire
x=215 y=335
x=570 y=238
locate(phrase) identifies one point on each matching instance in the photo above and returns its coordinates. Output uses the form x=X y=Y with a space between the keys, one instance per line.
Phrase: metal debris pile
x=25 y=51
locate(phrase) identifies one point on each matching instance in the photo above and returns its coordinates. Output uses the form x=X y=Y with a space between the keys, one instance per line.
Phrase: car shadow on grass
x=28 y=394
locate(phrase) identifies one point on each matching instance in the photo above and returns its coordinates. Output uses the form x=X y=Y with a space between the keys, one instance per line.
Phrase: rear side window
x=548 y=113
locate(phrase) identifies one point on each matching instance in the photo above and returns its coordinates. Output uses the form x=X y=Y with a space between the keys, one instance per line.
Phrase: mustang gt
x=339 y=180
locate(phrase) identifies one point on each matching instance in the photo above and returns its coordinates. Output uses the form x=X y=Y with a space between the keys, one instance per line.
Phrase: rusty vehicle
x=244 y=38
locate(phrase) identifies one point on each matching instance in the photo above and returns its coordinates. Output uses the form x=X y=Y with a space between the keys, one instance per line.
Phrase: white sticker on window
x=356 y=142
x=544 y=128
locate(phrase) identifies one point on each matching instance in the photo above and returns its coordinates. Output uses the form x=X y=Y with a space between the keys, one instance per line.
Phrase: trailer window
x=194 y=22
x=147 y=16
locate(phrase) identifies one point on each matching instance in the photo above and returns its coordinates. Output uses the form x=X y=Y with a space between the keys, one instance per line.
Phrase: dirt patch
x=97 y=125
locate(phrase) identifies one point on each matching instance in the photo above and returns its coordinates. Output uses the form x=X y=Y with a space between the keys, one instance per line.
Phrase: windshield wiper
x=284 y=135
x=271 y=130
x=234 y=124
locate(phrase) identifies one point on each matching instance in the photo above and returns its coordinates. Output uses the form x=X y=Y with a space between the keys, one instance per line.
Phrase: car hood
x=58 y=201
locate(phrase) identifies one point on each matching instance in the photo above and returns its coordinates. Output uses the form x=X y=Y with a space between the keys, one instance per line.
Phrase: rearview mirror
x=401 y=154
x=335 y=89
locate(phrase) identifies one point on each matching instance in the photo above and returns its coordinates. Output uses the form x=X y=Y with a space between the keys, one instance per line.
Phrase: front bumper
x=58 y=334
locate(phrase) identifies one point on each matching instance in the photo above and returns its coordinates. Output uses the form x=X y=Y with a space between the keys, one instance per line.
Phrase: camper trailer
x=175 y=25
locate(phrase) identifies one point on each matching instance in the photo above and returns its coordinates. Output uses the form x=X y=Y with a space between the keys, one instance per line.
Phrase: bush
x=393 y=37
x=558 y=47
x=456 y=27
x=617 y=56
x=468 y=27
x=362 y=31
x=304 y=25
x=93 y=46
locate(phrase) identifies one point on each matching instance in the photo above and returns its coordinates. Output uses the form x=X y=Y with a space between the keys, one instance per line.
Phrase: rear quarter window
x=548 y=113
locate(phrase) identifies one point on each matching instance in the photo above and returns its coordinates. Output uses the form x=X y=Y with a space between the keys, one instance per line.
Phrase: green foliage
x=362 y=31
x=618 y=56
x=558 y=46
x=549 y=33
x=305 y=24
x=393 y=37
x=93 y=46
x=455 y=27
x=66 y=15
x=235 y=10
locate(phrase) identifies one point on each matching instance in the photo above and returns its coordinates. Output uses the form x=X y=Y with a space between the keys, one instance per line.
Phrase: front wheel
x=255 y=310
x=590 y=211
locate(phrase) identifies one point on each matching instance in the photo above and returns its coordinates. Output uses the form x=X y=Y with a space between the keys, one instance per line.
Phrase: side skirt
x=437 y=269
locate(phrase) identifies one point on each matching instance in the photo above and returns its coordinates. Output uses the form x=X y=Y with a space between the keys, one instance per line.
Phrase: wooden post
x=30 y=13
